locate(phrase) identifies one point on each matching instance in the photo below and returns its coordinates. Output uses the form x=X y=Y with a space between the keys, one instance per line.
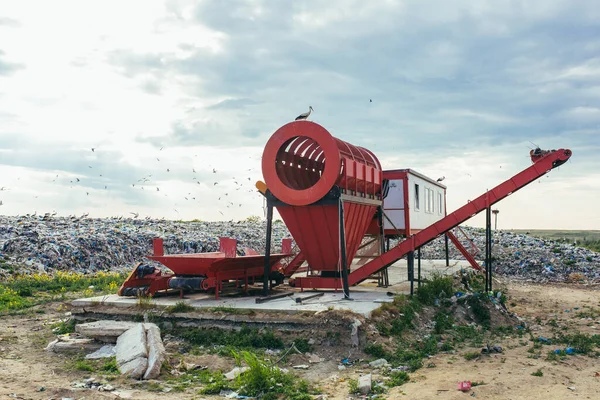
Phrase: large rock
x=131 y=345
x=134 y=368
x=156 y=351
x=364 y=384
x=105 y=331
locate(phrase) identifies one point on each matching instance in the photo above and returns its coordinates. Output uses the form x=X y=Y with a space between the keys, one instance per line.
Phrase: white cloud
x=457 y=87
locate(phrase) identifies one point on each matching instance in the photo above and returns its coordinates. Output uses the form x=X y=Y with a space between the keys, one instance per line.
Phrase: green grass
x=24 y=291
x=398 y=378
x=180 y=307
x=245 y=338
x=437 y=287
x=538 y=373
x=471 y=355
x=62 y=327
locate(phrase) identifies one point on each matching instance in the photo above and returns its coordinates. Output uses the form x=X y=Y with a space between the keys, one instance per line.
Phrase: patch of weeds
x=467 y=333
x=553 y=323
x=302 y=345
x=145 y=302
x=398 y=378
x=504 y=330
x=431 y=365
x=443 y=321
x=377 y=351
x=180 y=307
x=110 y=366
x=447 y=346
x=153 y=386
x=480 y=312
x=471 y=355
x=407 y=308
x=436 y=287
x=333 y=338
x=580 y=342
x=83 y=365
x=244 y=338
x=554 y=356
x=478 y=383
x=537 y=373
x=353 y=386
x=266 y=380
x=63 y=327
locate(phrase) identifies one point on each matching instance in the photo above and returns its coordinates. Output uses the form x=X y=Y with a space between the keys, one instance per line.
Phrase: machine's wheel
x=207 y=284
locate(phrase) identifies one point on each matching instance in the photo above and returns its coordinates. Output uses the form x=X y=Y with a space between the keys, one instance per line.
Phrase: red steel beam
x=464 y=251
x=542 y=165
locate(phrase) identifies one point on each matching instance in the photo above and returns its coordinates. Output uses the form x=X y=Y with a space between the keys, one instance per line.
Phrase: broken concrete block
x=313 y=359
x=68 y=345
x=234 y=373
x=382 y=362
x=106 y=351
x=134 y=368
x=301 y=366
x=354 y=333
x=131 y=345
x=105 y=331
x=364 y=384
x=156 y=351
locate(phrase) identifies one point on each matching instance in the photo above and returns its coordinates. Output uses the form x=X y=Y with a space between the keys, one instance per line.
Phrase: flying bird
x=135 y=215
x=93 y=149
x=370 y=100
x=441 y=179
x=305 y=115
x=214 y=171
x=77 y=179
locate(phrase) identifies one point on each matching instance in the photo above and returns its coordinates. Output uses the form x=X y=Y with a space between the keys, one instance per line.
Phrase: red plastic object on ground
x=464 y=386
x=201 y=271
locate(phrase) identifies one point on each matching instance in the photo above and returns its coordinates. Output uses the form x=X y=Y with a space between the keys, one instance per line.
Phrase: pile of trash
x=44 y=244
x=525 y=257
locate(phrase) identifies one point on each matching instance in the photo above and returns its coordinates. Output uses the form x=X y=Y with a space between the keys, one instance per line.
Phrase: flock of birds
x=222 y=197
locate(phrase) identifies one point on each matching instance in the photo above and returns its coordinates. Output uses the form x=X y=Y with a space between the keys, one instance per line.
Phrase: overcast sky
x=161 y=89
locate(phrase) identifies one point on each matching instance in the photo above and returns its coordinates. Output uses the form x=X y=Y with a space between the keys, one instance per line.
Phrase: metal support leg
x=419 y=267
x=447 y=253
x=344 y=262
x=411 y=271
x=487 y=249
x=488 y=243
x=267 y=270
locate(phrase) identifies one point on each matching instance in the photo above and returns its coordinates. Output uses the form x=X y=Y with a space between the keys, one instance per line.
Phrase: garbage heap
x=47 y=244
x=44 y=244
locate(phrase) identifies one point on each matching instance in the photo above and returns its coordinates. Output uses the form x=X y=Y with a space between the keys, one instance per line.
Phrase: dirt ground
x=27 y=371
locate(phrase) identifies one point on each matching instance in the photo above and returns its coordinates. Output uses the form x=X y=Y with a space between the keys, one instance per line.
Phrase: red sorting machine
x=327 y=191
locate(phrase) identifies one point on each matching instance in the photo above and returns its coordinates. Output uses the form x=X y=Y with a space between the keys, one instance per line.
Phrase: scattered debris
x=464 y=386
x=364 y=383
x=105 y=351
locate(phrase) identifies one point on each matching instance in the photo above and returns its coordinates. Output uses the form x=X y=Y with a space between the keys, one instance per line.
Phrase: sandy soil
x=25 y=368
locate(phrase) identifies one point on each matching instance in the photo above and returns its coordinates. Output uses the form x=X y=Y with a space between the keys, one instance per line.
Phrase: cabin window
x=429 y=201
x=440 y=206
x=416 y=196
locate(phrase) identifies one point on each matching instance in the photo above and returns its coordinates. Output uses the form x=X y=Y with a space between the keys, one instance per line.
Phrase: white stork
x=305 y=115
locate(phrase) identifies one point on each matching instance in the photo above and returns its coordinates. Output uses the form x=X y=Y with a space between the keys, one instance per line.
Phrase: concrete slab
x=366 y=297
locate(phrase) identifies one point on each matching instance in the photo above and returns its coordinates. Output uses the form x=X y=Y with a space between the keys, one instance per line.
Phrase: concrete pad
x=105 y=331
x=134 y=368
x=132 y=345
x=366 y=297
x=156 y=351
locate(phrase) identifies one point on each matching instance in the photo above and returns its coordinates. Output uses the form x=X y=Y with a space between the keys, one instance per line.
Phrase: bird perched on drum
x=305 y=115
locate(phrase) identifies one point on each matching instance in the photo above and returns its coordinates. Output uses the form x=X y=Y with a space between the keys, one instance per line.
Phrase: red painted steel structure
x=543 y=162
x=302 y=161
x=211 y=268
x=308 y=172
